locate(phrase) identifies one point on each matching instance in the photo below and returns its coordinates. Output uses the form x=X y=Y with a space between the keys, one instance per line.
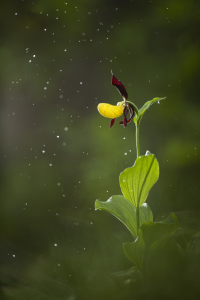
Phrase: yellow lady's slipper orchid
x=122 y=108
x=111 y=111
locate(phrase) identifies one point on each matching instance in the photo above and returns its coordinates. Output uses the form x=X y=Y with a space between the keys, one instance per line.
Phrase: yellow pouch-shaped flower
x=111 y=111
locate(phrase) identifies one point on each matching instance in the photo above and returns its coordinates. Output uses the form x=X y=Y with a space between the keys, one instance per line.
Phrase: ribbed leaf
x=136 y=182
x=125 y=212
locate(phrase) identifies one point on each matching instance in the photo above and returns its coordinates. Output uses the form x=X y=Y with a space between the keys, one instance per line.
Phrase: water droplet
x=66 y=128
x=55 y=245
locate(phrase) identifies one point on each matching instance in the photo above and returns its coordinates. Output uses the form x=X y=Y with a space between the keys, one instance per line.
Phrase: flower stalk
x=138 y=154
x=137 y=140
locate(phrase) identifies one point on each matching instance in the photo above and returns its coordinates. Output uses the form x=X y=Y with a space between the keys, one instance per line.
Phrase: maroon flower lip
x=128 y=107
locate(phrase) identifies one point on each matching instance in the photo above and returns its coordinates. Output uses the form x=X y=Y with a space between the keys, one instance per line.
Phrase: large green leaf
x=125 y=212
x=145 y=107
x=136 y=182
x=151 y=238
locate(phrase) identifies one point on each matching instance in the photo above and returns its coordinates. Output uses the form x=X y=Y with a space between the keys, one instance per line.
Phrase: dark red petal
x=126 y=111
x=124 y=122
x=119 y=85
x=128 y=121
x=131 y=109
x=112 y=122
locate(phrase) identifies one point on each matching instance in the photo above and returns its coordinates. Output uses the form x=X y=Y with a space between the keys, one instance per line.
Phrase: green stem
x=138 y=154
x=137 y=140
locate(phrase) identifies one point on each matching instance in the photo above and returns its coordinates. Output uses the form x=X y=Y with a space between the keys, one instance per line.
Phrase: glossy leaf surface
x=136 y=182
x=125 y=212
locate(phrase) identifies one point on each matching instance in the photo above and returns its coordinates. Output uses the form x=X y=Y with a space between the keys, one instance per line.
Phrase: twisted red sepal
x=124 y=122
x=131 y=110
x=119 y=85
x=126 y=111
x=128 y=108
x=112 y=122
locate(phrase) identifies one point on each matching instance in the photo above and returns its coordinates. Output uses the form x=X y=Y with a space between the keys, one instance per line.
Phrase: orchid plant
x=136 y=182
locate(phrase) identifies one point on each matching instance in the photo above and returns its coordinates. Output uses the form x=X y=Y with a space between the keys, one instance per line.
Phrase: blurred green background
x=57 y=154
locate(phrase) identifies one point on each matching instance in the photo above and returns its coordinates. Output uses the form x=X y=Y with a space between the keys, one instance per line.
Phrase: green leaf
x=152 y=237
x=145 y=107
x=136 y=182
x=125 y=212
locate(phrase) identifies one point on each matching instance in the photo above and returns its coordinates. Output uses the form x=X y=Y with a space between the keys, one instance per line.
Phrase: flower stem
x=137 y=140
x=138 y=154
